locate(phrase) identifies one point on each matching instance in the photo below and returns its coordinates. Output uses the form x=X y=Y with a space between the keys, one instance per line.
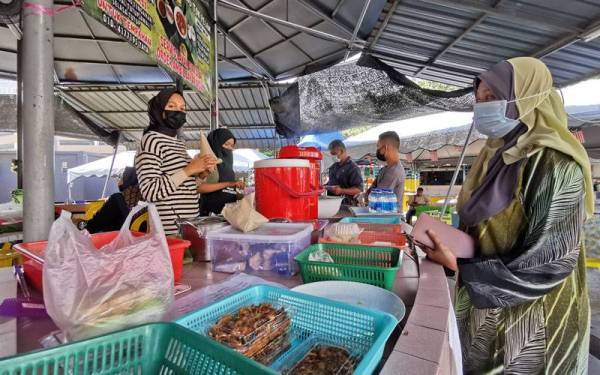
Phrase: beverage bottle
x=376 y=200
x=372 y=200
x=393 y=202
x=389 y=204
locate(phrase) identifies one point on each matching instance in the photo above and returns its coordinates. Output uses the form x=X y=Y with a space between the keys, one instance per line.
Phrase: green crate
x=364 y=264
x=158 y=348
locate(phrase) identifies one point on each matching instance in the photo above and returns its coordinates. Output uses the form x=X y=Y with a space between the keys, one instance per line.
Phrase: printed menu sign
x=174 y=33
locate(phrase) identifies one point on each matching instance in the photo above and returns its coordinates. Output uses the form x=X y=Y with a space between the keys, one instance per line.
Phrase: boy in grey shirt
x=392 y=175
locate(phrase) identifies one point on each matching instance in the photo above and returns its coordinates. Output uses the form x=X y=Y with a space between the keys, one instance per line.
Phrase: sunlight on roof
x=8 y=87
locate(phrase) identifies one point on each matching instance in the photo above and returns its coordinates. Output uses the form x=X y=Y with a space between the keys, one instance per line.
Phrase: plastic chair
x=137 y=223
x=91 y=208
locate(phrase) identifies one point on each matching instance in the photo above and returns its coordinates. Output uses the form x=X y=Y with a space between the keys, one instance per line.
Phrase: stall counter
x=421 y=348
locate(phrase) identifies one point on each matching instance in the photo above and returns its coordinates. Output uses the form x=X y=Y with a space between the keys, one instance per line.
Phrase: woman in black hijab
x=215 y=195
x=167 y=174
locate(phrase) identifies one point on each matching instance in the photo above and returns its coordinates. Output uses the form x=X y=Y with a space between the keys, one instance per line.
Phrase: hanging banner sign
x=176 y=34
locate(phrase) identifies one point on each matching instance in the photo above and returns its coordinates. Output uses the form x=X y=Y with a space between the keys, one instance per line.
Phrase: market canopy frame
x=452 y=41
x=263 y=41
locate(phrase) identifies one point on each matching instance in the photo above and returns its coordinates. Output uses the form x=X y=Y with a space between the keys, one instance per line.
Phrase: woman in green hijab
x=522 y=305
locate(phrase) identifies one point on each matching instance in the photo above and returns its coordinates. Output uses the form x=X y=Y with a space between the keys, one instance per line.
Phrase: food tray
x=290 y=366
x=359 y=330
x=257 y=337
x=158 y=348
x=375 y=238
x=364 y=264
x=373 y=219
x=364 y=211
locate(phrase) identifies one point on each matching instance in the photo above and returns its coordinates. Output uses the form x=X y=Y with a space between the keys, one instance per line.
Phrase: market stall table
x=427 y=296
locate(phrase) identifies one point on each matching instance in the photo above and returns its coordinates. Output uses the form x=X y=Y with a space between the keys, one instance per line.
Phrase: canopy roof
x=452 y=41
x=447 y=41
x=243 y=161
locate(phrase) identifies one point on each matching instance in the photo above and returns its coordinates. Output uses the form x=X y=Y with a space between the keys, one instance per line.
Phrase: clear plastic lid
x=319 y=357
x=251 y=329
x=270 y=232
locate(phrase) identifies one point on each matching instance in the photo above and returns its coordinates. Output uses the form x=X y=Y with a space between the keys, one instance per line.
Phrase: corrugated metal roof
x=451 y=41
x=248 y=47
x=243 y=108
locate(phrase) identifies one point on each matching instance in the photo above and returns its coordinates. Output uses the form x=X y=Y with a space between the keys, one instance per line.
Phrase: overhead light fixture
x=590 y=34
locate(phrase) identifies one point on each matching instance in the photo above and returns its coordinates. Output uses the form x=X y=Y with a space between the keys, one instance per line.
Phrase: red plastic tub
x=33 y=255
x=285 y=190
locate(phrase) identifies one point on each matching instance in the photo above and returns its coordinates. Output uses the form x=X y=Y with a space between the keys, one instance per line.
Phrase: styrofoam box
x=269 y=249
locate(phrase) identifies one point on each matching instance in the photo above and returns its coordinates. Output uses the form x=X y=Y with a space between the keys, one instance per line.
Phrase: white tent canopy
x=364 y=143
x=445 y=133
x=243 y=161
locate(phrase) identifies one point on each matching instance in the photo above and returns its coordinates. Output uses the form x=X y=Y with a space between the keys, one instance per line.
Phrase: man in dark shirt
x=344 y=176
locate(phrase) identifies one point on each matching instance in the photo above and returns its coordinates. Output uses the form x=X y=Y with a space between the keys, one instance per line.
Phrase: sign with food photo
x=174 y=33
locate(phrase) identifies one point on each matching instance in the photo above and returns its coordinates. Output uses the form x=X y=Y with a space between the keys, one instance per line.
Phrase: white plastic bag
x=89 y=291
x=342 y=232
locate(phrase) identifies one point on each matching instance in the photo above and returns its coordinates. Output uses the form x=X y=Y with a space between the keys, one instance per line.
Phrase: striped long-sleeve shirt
x=159 y=164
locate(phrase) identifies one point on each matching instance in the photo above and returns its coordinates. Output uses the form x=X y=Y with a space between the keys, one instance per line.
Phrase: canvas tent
x=243 y=161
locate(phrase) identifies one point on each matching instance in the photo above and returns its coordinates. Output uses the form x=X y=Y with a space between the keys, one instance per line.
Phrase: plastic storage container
x=33 y=254
x=195 y=231
x=364 y=264
x=159 y=348
x=269 y=249
x=372 y=238
x=356 y=329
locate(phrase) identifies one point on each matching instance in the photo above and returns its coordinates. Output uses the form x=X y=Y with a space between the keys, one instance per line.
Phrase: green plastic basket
x=158 y=348
x=364 y=264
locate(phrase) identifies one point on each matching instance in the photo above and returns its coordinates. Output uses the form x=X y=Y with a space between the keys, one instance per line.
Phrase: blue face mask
x=490 y=118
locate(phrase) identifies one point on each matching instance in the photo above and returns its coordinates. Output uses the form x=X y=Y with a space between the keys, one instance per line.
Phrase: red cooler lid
x=295 y=152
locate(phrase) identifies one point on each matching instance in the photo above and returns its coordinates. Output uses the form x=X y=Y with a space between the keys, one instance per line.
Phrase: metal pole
x=357 y=27
x=112 y=163
x=291 y=25
x=457 y=170
x=38 y=121
x=214 y=113
x=19 y=114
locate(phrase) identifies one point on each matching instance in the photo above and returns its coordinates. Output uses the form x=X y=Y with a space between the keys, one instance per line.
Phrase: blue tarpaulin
x=320 y=141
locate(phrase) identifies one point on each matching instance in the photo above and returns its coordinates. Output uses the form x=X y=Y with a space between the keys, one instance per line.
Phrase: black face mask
x=380 y=155
x=175 y=119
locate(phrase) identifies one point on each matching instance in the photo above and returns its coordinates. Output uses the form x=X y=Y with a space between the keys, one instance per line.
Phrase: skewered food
x=251 y=328
x=324 y=360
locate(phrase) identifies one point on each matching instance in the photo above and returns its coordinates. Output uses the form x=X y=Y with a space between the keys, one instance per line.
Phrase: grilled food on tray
x=324 y=360
x=251 y=328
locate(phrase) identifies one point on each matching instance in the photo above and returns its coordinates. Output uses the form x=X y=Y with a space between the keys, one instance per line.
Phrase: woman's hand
x=201 y=164
x=237 y=185
x=441 y=253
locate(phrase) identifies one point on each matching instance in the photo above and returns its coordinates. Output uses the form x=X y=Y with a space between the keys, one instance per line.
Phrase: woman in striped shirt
x=165 y=171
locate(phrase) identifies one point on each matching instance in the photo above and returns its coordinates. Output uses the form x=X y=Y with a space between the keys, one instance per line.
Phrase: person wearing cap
x=345 y=178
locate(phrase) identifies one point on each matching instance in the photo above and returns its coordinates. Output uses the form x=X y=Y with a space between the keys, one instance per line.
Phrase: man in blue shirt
x=345 y=178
